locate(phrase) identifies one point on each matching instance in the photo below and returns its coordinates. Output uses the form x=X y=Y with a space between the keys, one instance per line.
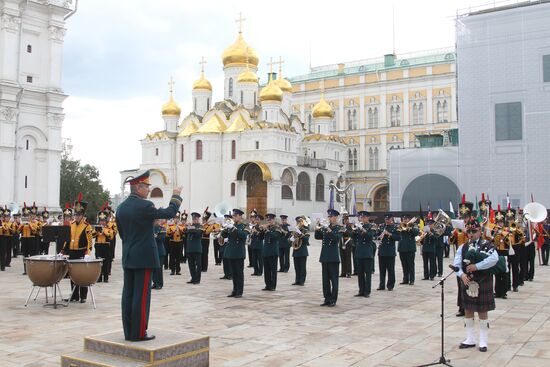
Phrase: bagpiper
x=458 y=238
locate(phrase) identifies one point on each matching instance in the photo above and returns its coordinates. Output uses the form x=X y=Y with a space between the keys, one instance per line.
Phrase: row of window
x=198 y=149
x=373 y=159
x=303 y=186
x=442 y=116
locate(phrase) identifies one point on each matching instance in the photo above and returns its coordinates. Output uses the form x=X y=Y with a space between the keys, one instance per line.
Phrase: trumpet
x=406 y=226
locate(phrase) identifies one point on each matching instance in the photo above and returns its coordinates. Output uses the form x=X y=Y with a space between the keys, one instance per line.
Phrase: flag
x=508 y=201
x=451 y=210
x=331 y=198
x=420 y=218
x=540 y=235
x=479 y=218
x=429 y=216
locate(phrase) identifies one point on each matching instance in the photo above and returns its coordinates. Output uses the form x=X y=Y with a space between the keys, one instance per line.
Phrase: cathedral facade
x=248 y=151
x=31 y=97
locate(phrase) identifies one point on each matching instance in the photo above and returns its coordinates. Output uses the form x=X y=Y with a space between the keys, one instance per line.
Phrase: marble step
x=91 y=359
x=169 y=348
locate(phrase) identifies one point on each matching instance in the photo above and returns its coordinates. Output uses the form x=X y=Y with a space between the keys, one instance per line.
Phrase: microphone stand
x=442 y=359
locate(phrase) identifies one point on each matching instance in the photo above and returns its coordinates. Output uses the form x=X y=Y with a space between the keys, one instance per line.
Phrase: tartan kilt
x=485 y=301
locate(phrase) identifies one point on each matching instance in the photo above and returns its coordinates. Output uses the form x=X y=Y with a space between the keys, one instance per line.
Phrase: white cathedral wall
x=202 y=101
x=232 y=73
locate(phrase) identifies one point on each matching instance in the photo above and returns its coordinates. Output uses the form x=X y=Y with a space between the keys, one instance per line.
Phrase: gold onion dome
x=171 y=108
x=271 y=92
x=239 y=53
x=283 y=84
x=247 y=76
x=202 y=83
x=322 y=109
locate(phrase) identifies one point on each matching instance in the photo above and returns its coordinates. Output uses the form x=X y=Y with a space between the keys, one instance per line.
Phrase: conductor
x=135 y=220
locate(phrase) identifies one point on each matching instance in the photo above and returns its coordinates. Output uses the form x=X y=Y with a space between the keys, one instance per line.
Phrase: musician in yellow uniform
x=43 y=221
x=175 y=231
x=6 y=234
x=459 y=237
x=80 y=244
x=103 y=245
x=28 y=230
x=516 y=239
x=111 y=224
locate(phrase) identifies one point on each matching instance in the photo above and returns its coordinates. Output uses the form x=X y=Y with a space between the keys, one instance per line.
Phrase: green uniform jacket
x=235 y=247
x=135 y=220
x=364 y=242
x=331 y=239
x=194 y=237
x=257 y=240
x=387 y=245
x=302 y=251
x=430 y=242
x=283 y=240
x=407 y=243
x=272 y=238
x=160 y=236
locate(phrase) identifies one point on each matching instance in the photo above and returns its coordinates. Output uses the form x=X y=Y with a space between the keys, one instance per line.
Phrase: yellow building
x=383 y=104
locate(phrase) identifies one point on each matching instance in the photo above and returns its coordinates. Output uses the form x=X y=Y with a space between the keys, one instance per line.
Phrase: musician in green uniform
x=346 y=246
x=407 y=248
x=270 y=251
x=300 y=254
x=429 y=243
x=223 y=245
x=284 y=245
x=364 y=253
x=257 y=233
x=235 y=251
x=135 y=221
x=194 y=248
x=386 y=252
x=331 y=235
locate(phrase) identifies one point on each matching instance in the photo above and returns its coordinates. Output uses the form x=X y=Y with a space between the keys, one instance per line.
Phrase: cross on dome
x=240 y=21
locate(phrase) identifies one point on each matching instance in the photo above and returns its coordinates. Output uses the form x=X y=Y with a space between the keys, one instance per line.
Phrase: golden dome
x=247 y=77
x=322 y=109
x=171 y=108
x=239 y=53
x=202 y=83
x=283 y=84
x=271 y=92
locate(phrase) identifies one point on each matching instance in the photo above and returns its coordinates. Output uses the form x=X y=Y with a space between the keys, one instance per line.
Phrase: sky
x=119 y=56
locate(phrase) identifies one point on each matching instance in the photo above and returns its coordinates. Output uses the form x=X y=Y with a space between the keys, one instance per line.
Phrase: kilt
x=485 y=301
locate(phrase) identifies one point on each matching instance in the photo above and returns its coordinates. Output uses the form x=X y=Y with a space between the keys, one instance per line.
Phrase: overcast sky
x=119 y=56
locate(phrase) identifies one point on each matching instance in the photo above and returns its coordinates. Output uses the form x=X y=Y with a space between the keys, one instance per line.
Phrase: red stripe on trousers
x=143 y=323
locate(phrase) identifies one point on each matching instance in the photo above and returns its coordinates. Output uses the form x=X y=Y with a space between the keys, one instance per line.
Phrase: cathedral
x=248 y=151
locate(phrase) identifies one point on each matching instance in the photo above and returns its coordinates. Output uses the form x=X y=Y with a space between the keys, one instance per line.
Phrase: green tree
x=76 y=178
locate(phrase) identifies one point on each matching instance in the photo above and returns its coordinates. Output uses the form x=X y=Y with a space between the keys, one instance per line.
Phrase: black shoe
x=348 y=275
x=271 y=289
x=466 y=346
x=178 y=273
x=431 y=278
x=265 y=289
x=83 y=300
x=172 y=273
x=358 y=295
x=100 y=280
x=238 y=296
x=158 y=288
x=106 y=281
x=196 y=282
x=250 y=266
x=483 y=349
x=515 y=289
x=280 y=271
x=411 y=283
x=504 y=296
x=439 y=275
x=295 y=283
x=460 y=313
x=326 y=303
x=24 y=274
x=231 y=295
x=302 y=284
x=380 y=289
x=424 y=278
x=144 y=339
x=403 y=283
x=190 y=282
x=332 y=304
x=366 y=295
x=229 y=278
x=390 y=289
x=224 y=277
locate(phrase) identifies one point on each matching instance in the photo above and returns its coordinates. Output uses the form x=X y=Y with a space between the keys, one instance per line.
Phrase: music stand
x=442 y=359
x=54 y=234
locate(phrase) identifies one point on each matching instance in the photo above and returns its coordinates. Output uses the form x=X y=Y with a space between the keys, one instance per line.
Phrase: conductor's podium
x=168 y=349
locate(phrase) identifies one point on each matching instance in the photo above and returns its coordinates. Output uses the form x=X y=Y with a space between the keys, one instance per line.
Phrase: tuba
x=441 y=220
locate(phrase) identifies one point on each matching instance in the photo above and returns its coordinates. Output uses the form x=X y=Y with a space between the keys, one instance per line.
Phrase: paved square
x=286 y=327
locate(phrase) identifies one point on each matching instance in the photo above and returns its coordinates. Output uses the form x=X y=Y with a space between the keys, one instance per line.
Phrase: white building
x=247 y=151
x=31 y=97
x=503 y=79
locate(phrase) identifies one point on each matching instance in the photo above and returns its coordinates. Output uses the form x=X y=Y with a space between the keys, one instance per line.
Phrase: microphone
x=454 y=268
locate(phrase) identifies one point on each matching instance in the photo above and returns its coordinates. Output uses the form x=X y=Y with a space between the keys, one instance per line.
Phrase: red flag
x=507 y=201
x=430 y=216
x=491 y=215
x=540 y=237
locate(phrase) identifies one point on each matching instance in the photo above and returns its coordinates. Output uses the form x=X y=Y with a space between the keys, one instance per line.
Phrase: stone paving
x=286 y=327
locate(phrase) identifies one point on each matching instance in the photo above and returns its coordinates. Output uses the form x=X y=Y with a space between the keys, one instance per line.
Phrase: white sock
x=483 y=333
x=470 y=337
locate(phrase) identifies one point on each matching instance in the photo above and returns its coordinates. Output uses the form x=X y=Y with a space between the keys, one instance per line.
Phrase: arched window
x=350 y=122
x=442 y=111
x=208 y=104
x=392 y=116
x=371 y=159
x=350 y=160
x=375 y=117
x=242 y=97
x=415 y=114
x=420 y=113
x=354 y=119
x=194 y=104
x=376 y=158
x=319 y=188
x=303 y=187
x=232 y=188
x=156 y=193
x=29 y=48
x=230 y=87
x=370 y=115
x=355 y=159
x=156 y=151
x=233 y=149
x=198 y=150
x=287 y=181
x=181 y=153
x=309 y=124
x=398 y=116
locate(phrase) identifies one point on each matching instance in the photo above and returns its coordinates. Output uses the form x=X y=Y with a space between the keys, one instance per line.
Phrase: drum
x=84 y=273
x=46 y=270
